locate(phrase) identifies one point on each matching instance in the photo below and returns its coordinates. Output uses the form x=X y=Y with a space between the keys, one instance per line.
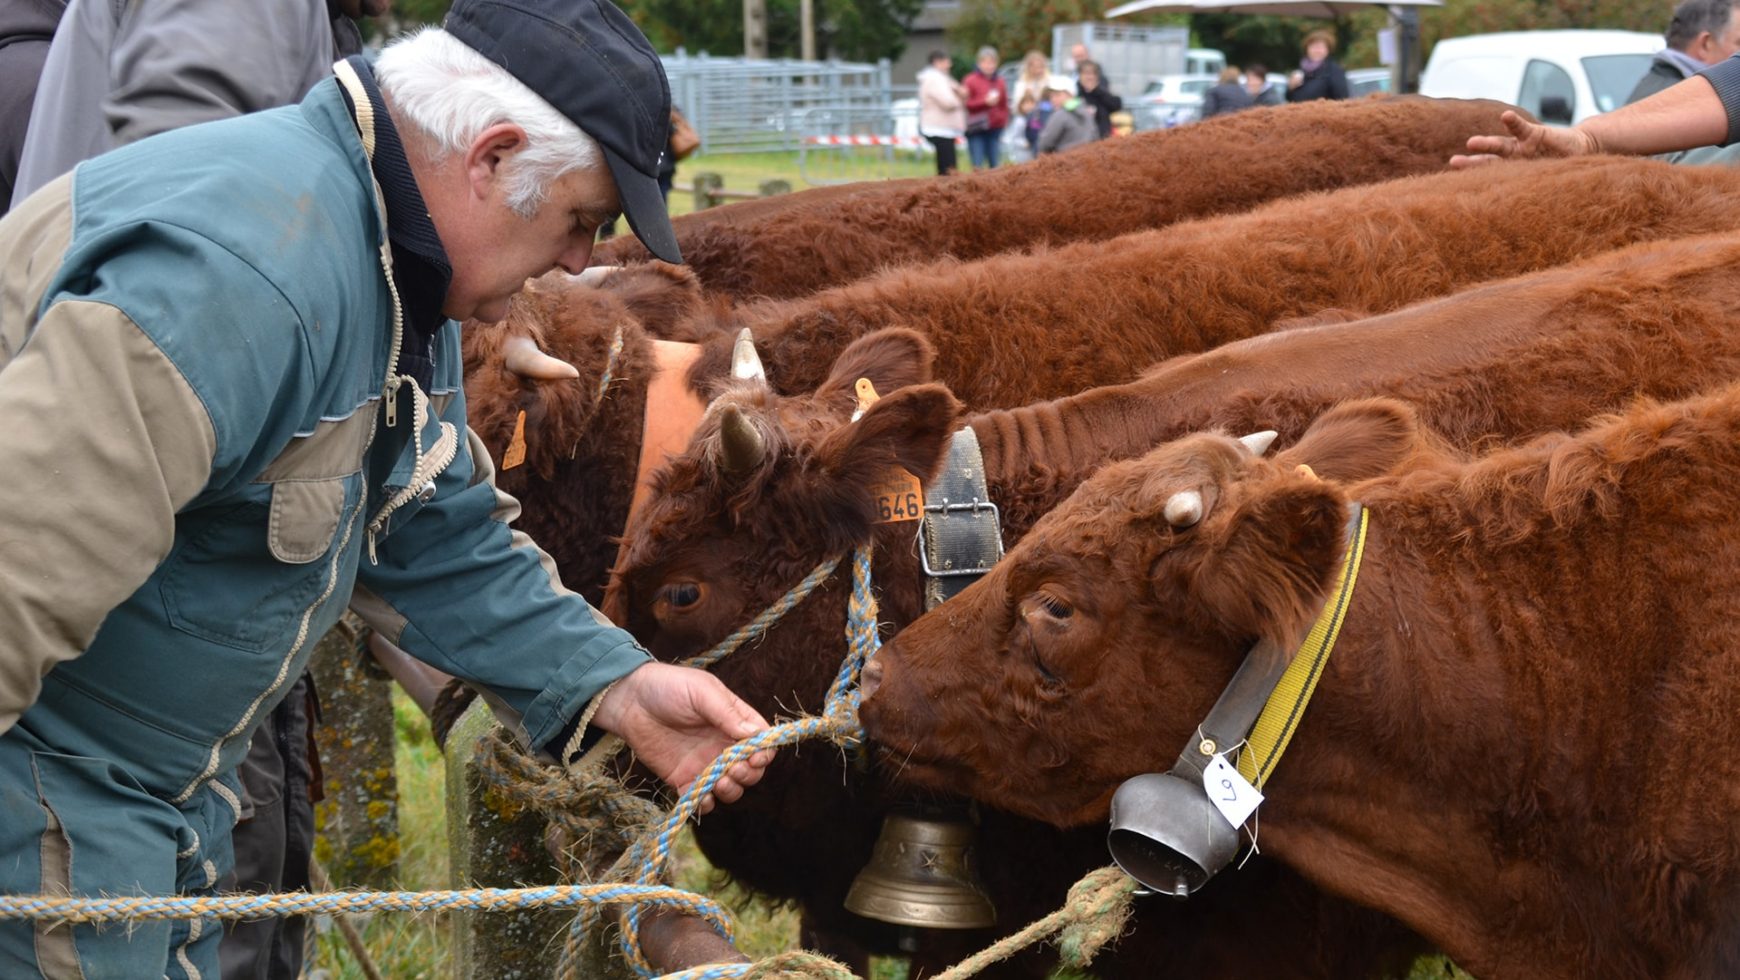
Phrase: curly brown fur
x=1499 y=362
x=1146 y=181
x=1101 y=312
x=1535 y=636
x=581 y=454
x=659 y=295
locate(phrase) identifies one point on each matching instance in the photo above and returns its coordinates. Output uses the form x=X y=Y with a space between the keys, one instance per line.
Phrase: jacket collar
x=421 y=270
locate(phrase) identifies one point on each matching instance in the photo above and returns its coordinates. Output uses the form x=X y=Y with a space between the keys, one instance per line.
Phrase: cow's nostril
x=871 y=678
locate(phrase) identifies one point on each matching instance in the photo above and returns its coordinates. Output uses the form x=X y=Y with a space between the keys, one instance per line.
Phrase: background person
x=1033 y=120
x=987 y=109
x=26 y=28
x=1034 y=78
x=1257 y=83
x=120 y=72
x=942 y=110
x=1228 y=95
x=1701 y=33
x=1318 y=75
x=1078 y=55
x=1097 y=96
x=220 y=445
x=1067 y=125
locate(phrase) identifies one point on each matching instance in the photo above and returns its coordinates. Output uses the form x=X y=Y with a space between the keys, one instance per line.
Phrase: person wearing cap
x=1066 y=126
x=230 y=359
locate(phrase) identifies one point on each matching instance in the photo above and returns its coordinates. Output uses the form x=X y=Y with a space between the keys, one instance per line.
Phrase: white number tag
x=1233 y=796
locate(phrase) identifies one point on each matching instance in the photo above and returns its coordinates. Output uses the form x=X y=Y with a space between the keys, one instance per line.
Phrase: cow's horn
x=522 y=356
x=745 y=362
x=1258 y=442
x=740 y=445
x=594 y=275
x=1184 y=508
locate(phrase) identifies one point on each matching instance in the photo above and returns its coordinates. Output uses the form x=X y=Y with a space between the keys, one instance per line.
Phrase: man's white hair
x=451 y=93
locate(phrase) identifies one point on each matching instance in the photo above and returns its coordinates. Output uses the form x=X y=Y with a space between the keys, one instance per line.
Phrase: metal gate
x=742 y=105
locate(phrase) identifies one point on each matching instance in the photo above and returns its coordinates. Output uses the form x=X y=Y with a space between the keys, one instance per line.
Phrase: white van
x=1203 y=61
x=1562 y=77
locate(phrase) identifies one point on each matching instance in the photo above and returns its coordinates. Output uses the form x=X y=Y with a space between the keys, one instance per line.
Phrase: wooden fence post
x=357 y=824
x=496 y=843
x=706 y=183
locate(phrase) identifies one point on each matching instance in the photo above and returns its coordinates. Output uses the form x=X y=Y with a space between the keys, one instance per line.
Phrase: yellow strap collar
x=1286 y=705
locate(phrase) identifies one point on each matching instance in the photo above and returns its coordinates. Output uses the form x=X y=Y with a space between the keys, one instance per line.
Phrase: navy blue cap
x=586 y=58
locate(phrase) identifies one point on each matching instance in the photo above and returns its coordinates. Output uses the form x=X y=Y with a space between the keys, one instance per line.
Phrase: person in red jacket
x=987 y=109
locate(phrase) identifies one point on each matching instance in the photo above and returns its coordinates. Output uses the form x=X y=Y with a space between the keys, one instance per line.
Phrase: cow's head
x=768 y=488
x=1097 y=644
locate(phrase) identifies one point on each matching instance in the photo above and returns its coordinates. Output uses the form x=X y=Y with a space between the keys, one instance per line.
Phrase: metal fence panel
x=743 y=105
x=1130 y=56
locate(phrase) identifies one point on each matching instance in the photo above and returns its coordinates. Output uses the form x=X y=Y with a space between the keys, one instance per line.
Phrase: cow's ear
x=909 y=429
x=659 y=295
x=892 y=358
x=1268 y=561
x=1358 y=440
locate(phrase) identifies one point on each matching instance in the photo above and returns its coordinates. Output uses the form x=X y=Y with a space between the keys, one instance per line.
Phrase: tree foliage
x=856 y=30
x=1015 y=27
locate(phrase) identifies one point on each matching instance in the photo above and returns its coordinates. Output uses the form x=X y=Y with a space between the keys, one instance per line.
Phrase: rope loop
x=590 y=806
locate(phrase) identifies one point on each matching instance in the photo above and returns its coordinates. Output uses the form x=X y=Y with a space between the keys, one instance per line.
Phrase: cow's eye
x=679 y=595
x=1055 y=607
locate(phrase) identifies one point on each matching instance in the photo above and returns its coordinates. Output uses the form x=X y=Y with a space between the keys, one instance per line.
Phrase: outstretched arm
x=1683 y=116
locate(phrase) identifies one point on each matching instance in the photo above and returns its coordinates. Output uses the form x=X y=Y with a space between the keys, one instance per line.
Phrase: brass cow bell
x=923 y=872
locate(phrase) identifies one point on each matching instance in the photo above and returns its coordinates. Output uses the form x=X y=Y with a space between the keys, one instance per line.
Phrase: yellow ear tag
x=1306 y=472
x=867 y=397
x=516 y=450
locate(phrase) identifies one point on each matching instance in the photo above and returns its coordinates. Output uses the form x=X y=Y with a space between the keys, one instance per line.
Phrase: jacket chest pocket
x=245 y=576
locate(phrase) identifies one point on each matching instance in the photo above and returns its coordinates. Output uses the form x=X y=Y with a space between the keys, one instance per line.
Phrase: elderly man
x=1701 y=33
x=230 y=368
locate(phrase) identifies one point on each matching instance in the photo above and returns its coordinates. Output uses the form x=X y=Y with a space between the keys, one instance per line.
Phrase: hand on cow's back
x=1528 y=140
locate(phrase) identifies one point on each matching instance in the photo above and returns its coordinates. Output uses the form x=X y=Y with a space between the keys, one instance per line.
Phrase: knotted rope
x=128 y=907
x=649 y=858
x=588 y=804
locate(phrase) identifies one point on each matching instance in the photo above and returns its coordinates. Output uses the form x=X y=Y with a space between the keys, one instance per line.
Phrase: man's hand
x=677 y=720
x=1527 y=141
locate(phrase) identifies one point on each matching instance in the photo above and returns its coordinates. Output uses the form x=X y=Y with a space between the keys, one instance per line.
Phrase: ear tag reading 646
x=899 y=496
x=515 y=454
x=1231 y=793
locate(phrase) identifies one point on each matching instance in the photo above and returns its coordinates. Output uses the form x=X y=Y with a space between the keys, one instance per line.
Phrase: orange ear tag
x=867 y=397
x=1305 y=471
x=516 y=450
x=898 y=496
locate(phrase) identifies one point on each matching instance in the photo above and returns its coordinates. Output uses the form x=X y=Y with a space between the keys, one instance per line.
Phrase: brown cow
x=1517 y=745
x=1015 y=329
x=1146 y=181
x=1499 y=362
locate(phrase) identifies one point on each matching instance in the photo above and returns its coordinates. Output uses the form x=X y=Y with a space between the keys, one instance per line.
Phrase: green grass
x=746 y=171
x=404 y=946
